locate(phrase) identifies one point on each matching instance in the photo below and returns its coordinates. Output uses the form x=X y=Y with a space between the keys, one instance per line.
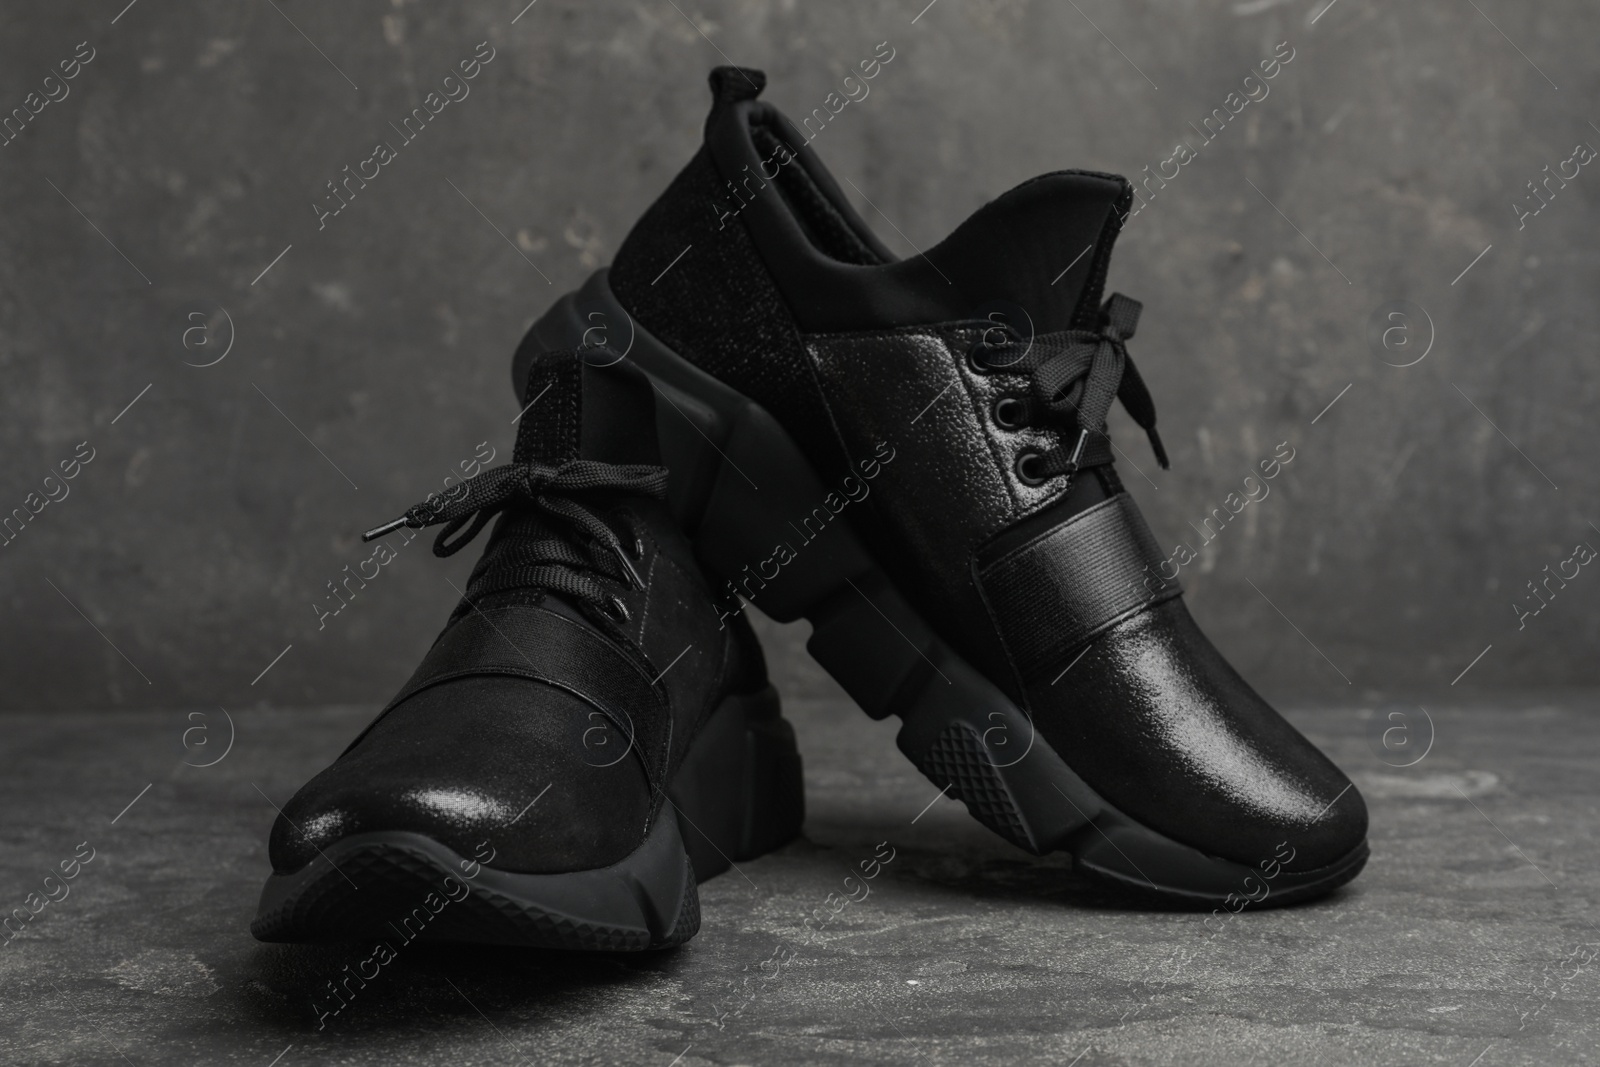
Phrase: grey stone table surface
x=1470 y=938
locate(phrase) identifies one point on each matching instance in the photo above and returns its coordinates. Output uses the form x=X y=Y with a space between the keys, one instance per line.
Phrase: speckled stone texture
x=1470 y=934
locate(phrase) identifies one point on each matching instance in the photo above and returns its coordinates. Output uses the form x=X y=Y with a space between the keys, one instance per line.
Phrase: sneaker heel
x=739 y=793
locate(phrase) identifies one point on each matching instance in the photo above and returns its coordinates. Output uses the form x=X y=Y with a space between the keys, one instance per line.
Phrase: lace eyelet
x=637 y=549
x=1027 y=469
x=616 y=609
x=1008 y=413
x=976 y=356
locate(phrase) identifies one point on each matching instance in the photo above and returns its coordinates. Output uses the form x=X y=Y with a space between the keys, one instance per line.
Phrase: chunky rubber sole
x=737 y=795
x=740 y=485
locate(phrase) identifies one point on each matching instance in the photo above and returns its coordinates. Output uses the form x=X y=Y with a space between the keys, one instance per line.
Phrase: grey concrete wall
x=141 y=209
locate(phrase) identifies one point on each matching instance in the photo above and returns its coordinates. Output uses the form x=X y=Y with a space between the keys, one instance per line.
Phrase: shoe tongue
x=589 y=403
x=1043 y=247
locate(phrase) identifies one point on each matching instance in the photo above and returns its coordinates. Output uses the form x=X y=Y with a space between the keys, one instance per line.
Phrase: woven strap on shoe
x=1051 y=595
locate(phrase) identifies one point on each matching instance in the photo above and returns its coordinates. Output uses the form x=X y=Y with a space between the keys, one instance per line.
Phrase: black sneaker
x=586 y=739
x=912 y=455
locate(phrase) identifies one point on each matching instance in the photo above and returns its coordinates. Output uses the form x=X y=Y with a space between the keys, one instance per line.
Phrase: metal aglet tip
x=627 y=567
x=1077 y=450
x=388 y=527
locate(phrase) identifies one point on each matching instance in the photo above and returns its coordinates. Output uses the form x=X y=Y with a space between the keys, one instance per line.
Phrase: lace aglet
x=388 y=527
x=1077 y=450
x=1156 y=447
x=628 y=568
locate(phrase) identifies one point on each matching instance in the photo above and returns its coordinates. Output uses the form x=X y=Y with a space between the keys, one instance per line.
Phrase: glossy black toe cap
x=461 y=762
x=1159 y=724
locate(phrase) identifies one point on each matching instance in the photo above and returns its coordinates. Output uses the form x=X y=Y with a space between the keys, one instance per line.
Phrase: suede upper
x=530 y=697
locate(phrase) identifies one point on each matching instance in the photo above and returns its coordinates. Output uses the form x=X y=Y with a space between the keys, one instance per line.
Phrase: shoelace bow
x=554 y=542
x=1074 y=376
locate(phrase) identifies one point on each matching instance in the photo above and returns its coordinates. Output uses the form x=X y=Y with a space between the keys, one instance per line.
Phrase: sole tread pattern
x=959 y=761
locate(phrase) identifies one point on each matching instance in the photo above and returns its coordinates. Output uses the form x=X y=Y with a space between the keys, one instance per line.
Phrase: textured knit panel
x=1063 y=587
x=551 y=430
x=717 y=306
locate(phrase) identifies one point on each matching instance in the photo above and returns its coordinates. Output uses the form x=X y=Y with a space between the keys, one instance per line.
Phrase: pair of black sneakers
x=759 y=402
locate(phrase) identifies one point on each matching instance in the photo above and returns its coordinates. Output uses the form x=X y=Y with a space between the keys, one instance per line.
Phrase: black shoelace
x=1074 y=375
x=552 y=539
